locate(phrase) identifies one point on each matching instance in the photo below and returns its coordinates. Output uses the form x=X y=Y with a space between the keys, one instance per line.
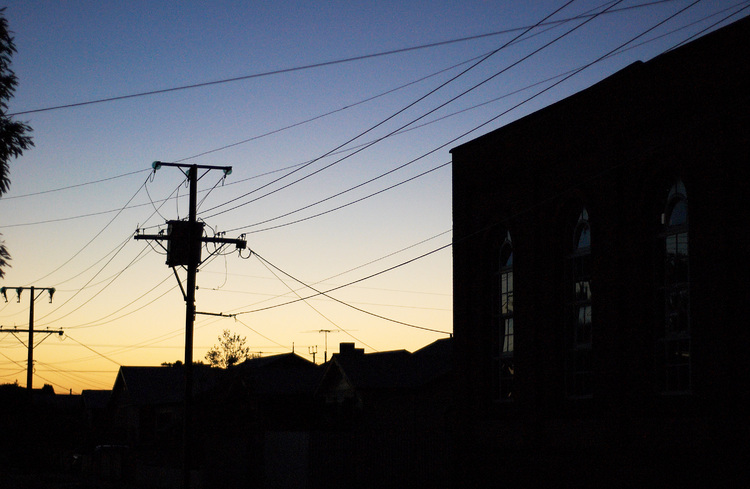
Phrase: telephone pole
x=33 y=296
x=184 y=241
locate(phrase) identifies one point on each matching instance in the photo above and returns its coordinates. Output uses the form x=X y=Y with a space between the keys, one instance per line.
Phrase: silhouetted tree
x=14 y=138
x=230 y=351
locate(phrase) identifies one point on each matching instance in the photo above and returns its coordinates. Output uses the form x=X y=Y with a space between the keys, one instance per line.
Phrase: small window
x=673 y=343
x=583 y=233
x=503 y=365
x=579 y=323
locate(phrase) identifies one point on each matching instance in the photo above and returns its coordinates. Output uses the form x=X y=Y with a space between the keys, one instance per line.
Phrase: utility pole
x=184 y=241
x=312 y=350
x=32 y=298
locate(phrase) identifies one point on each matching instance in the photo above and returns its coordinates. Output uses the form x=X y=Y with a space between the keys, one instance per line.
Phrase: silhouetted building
x=600 y=280
x=257 y=425
x=385 y=417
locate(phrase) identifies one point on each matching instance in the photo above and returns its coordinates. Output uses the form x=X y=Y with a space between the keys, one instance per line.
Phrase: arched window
x=579 y=330
x=504 y=367
x=673 y=338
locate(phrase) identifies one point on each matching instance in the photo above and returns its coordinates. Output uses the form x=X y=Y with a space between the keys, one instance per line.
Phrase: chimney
x=348 y=350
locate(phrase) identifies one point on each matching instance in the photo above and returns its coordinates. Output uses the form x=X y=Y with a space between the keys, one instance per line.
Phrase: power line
x=274 y=296
x=312 y=65
x=403 y=131
x=389 y=269
x=403 y=109
x=569 y=73
x=90 y=280
x=69 y=187
x=261 y=334
x=325 y=294
x=96 y=235
x=701 y=32
x=466 y=237
x=271 y=269
x=391 y=187
x=94 y=351
x=100 y=321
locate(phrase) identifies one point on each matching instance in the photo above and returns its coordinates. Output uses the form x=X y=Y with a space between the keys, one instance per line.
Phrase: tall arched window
x=579 y=328
x=673 y=339
x=504 y=367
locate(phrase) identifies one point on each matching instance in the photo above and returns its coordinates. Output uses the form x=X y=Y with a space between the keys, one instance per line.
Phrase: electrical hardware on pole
x=33 y=296
x=184 y=242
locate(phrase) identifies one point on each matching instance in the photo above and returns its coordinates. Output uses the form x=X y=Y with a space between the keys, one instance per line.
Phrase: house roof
x=275 y=361
x=665 y=82
x=284 y=374
x=391 y=370
x=164 y=384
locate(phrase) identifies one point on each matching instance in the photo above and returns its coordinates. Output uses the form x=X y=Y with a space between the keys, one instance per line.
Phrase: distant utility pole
x=184 y=242
x=312 y=350
x=33 y=296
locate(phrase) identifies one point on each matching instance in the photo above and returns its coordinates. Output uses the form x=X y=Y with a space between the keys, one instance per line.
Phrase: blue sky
x=118 y=301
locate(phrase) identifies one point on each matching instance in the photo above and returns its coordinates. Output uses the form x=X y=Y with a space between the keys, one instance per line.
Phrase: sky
x=337 y=119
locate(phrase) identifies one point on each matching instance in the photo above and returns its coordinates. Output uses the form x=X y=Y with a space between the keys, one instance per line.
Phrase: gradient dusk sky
x=333 y=84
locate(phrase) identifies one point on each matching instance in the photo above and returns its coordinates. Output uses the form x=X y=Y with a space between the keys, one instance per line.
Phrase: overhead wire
x=360 y=102
x=349 y=106
x=298 y=68
x=276 y=296
x=69 y=187
x=696 y=2
x=375 y=126
x=271 y=269
x=326 y=114
x=371 y=262
x=144 y=344
x=472 y=130
x=119 y=248
x=362 y=279
x=261 y=334
x=579 y=70
x=70 y=374
x=92 y=350
x=90 y=280
x=95 y=236
x=703 y=31
x=327 y=295
x=405 y=164
x=342 y=206
x=113 y=250
x=100 y=321
x=426 y=154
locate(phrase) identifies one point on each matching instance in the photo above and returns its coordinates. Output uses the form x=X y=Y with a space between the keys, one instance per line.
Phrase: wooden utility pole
x=32 y=298
x=184 y=242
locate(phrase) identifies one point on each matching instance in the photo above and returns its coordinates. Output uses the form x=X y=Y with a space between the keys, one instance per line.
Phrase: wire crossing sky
x=357 y=103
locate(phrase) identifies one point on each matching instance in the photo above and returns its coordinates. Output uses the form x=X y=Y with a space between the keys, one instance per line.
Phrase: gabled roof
x=164 y=384
x=391 y=370
x=284 y=374
x=275 y=361
x=374 y=371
